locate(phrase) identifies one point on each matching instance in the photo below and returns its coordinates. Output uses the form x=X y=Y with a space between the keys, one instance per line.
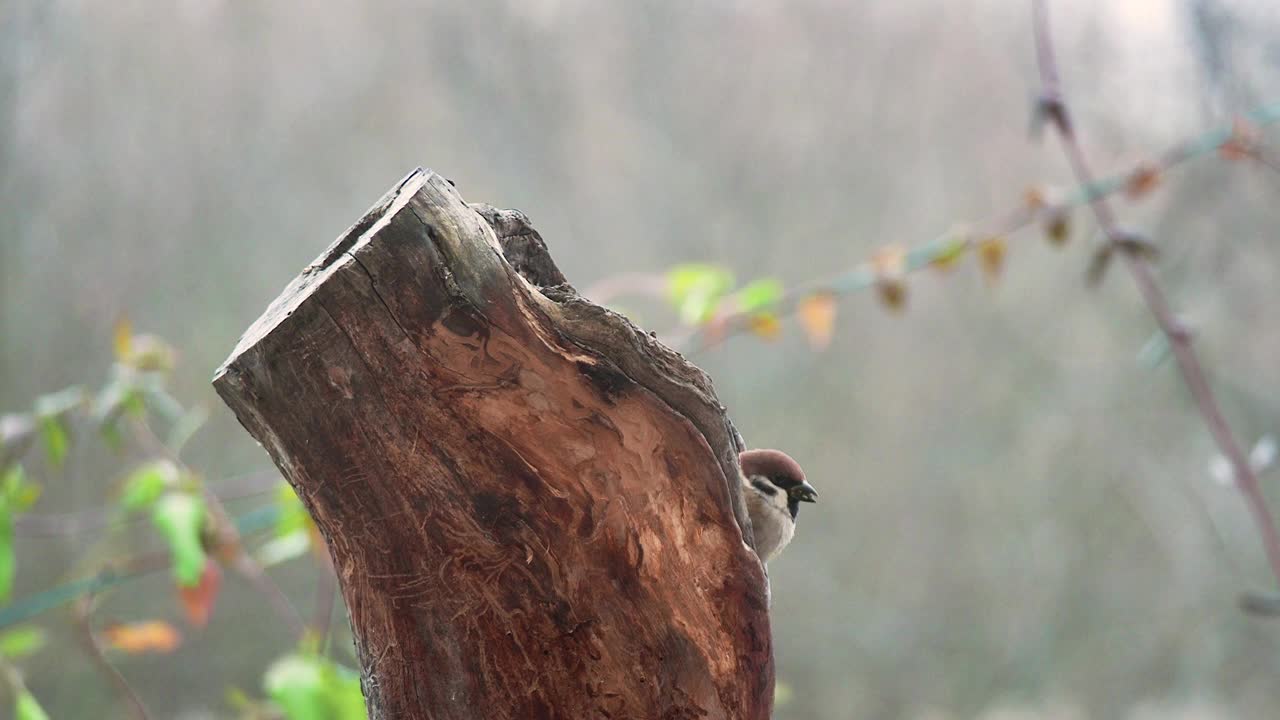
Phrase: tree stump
x=533 y=507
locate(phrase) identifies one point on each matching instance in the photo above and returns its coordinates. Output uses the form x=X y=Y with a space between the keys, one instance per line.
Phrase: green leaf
x=179 y=516
x=8 y=559
x=50 y=410
x=16 y=493
x=695 y=290
x=53 y=431
x=308 y=686
x=345 y=699
x=111 y=402
x=296 y=683
x=782 y=694
x=238 y=699
x=26 y=707
x=22 y=641
x=292 y=529
x=135 y=405
x=25 y=497
x=292 y=516
x=949 y=252
x=109 y=431
x=12 y=482
x=284 y=548
x=759 y=295
x=147 y=483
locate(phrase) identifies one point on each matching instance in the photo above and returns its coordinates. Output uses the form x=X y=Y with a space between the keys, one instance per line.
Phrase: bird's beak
x=804 y=492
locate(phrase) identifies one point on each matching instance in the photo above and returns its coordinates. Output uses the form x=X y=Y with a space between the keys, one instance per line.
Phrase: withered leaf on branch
x=889 y=264
x=1049 y=109
x=1144 y=179
x=1057 y=225
x=1242 y=143
x=197 y=600
x=818 y=317
x=1129 y=242
x=991 y=254
x=1034 y=197
x=765 y=325
x=155 y=636
x=1134 y=243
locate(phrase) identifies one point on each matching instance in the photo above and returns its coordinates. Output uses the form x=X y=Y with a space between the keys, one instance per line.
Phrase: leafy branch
x=708 y=321
x=199 y=534
x=1052 y=109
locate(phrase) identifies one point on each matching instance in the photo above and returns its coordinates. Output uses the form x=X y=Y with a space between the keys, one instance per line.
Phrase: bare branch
x=1140 y=268
x=83 y=608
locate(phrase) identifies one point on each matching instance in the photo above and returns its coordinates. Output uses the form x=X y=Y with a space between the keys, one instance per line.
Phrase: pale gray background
x=1014 y=513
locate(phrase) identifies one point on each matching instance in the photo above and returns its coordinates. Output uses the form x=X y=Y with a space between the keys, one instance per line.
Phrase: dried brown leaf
x=991 y=255
x=818 y=317
x=141 y=637
x=1145 y=178
x=889 y=265
x=765 y=325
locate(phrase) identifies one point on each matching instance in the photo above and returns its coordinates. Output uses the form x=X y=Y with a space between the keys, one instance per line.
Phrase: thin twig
x=1054 y=110
x=82 y=610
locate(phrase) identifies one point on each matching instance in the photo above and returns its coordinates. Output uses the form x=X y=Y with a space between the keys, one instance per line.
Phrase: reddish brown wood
x=532 y=506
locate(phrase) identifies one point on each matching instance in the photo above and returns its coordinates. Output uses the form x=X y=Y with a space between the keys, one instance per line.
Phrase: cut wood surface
x=532 y=506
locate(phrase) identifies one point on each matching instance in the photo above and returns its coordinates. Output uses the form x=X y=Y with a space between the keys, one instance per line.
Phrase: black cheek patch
x=764 y=485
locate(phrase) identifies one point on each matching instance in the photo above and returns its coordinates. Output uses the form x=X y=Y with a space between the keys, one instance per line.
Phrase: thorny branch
x=1053 y=109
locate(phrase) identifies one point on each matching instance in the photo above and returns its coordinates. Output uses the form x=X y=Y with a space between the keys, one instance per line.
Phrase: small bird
x=774 y=487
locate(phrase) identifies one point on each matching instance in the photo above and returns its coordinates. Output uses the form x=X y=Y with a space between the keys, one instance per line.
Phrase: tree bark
x=533 y=507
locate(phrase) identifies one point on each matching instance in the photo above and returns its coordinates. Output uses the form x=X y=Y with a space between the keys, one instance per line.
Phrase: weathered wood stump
x=532 y=506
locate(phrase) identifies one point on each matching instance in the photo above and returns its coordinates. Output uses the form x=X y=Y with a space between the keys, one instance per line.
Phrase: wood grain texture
x=532 y=506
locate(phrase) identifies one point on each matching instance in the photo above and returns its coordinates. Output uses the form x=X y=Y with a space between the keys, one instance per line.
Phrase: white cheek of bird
x=774 y=485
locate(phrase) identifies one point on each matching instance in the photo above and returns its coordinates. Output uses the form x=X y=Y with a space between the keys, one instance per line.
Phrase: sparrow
x=774 y=487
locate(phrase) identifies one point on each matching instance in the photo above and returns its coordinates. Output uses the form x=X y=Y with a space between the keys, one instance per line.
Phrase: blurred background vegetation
x=1017 y=517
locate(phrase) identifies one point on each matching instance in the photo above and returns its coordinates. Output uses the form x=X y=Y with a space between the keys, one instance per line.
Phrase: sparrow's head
x=777 y=476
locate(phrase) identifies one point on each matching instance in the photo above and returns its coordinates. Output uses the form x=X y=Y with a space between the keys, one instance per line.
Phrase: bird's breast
x=771 y=525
